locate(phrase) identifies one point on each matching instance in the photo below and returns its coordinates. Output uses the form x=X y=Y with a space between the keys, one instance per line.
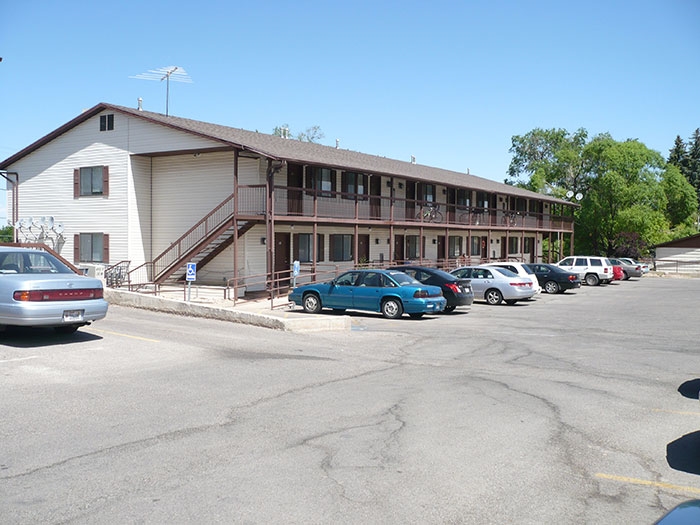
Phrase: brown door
x=441 y=253
x=399 y=248
x=282 y=260
x=484 y=247
x=295 y=179
x=375 y=203
x=363 y=248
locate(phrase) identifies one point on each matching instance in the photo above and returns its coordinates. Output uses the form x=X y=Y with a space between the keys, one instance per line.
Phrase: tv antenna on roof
x=177 y=73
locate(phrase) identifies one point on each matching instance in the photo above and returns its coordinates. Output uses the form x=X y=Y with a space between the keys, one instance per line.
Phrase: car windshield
x=30 y=262
x=402 y=278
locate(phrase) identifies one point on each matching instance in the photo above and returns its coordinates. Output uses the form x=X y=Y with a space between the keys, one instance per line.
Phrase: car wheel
x=449 y=309
x=493 y=296
x=392 y=309
x=592 y=279
x=417 y=315
x=65 y=330
x=625 y=276
x=551 y=287
x=312 y=303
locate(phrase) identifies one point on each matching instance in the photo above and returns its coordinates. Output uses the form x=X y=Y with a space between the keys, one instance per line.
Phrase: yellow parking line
x=635 y=481
x=676 y=412
x=127 y=335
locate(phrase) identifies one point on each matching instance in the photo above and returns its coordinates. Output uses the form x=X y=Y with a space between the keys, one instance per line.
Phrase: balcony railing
x=298 y=202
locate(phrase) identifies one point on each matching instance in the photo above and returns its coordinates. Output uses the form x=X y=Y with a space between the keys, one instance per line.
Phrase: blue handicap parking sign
x=191 y=272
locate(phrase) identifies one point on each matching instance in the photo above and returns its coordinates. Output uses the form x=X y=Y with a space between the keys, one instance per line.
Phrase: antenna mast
x=177 y=73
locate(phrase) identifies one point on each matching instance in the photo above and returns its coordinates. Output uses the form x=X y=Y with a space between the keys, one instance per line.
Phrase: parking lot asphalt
x=277 y=314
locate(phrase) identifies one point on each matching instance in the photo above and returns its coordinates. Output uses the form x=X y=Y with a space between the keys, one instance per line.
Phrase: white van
x=591 y=270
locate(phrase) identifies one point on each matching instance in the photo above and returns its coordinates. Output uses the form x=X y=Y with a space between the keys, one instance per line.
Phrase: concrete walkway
x=209 y=302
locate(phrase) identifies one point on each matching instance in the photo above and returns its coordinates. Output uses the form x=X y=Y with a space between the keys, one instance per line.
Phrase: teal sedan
x=390 y=292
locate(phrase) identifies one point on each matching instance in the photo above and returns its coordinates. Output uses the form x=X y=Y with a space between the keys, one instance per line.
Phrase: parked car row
x=417 y=290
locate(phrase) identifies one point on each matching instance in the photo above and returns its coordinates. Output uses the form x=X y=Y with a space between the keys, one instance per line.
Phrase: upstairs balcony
x=303 y=205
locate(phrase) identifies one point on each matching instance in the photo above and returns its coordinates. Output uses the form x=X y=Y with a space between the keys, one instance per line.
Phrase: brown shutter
x=105 y=181
x=76 y=183
x=76 y=248
x=331 y=255
x=105 y=248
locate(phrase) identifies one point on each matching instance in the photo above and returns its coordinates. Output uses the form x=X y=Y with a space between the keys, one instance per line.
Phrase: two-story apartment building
x=155 y=192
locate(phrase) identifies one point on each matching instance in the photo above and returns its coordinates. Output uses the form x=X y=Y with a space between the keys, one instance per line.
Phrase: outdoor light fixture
x=262 y=240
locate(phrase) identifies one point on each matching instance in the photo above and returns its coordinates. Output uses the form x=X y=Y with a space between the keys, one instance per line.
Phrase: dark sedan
x=457 y=291
x=553 y=279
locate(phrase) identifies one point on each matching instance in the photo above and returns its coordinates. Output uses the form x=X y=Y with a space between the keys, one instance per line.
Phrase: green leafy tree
x=628 y=191
x=7 y=234
x=692 y=172
x=311 y=134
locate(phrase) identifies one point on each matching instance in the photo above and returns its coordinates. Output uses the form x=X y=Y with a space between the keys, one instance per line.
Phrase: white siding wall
x=46 y=184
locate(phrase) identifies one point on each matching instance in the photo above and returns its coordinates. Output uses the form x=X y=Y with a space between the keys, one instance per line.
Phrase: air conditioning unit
x=94 y=270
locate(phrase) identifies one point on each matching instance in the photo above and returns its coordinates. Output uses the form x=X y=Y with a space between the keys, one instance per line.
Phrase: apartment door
x=295 y=179
x=399 y=253
x=441 y=252
x=363 y=248
x=375 y=202
x=282 y=258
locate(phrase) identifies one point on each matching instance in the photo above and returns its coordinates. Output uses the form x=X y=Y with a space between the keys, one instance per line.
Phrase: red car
x=618 y=273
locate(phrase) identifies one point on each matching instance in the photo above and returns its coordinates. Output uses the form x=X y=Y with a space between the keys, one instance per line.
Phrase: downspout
x=15 y=198
x=235 y=225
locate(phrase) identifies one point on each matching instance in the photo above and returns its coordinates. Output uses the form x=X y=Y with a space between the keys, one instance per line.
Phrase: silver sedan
x=37 y=289
x=495 y=285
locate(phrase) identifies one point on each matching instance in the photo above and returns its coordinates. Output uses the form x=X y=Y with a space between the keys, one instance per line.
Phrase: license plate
x=70 y=316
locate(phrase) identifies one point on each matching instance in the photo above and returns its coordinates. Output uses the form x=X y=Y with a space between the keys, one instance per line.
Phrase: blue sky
x=449 y=82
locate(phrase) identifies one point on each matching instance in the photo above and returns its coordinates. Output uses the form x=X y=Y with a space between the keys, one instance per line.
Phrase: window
x=106 y=122
x=482 y=199
x=513 y=244
x=528 y=243
x=303 y=247
x=413 y=247
x=91 y=247
x=454 y=247
x=463 y=197
x=321 y=180
x=93 y=180
x=341 y=247
x=427 y=192
x=354 y=184
x=476 y=246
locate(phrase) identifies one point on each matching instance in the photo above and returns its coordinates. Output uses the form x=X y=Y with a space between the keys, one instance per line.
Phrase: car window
x=31 y=262
x=528 y=270
x=506 y=272
x=347 y=279
x=596 y=262
x=403 y=278
x=372 y=279
x=385 y=282
x=462 y=273
x=567 y=262
x=581 y=262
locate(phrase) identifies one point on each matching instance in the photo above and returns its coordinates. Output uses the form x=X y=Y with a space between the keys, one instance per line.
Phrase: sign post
x=191 y=276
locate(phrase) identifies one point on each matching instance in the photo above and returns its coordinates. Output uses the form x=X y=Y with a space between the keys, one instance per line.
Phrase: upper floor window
x=106 y=122
x=354 y=184
x=463 y=197
x=93 y=180
x=427 y=192
x=321 y=180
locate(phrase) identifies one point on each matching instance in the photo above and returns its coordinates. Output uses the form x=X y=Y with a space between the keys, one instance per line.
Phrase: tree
x=312 y=134
x=630 y=193
x=693 y=163
x=7 y=234
x=678 y=156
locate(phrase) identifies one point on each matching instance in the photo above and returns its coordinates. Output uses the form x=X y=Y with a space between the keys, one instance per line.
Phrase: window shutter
x=76 y=248
x=331 y=241
x=105 y=181
x=76 y=183
x=333 y=177
x=105 y=248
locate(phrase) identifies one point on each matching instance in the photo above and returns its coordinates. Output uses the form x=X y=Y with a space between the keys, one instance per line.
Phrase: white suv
x=591 y=270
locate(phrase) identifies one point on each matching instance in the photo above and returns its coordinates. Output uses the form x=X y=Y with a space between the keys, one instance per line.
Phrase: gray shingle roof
x=299 y=152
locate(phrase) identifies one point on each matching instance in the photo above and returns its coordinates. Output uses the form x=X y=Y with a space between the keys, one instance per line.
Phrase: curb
x=283 y=321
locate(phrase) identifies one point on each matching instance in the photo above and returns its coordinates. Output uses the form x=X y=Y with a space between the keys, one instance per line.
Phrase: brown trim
x=105 y=181
x=76 y=183
x=105 y=248
x=76 y=248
